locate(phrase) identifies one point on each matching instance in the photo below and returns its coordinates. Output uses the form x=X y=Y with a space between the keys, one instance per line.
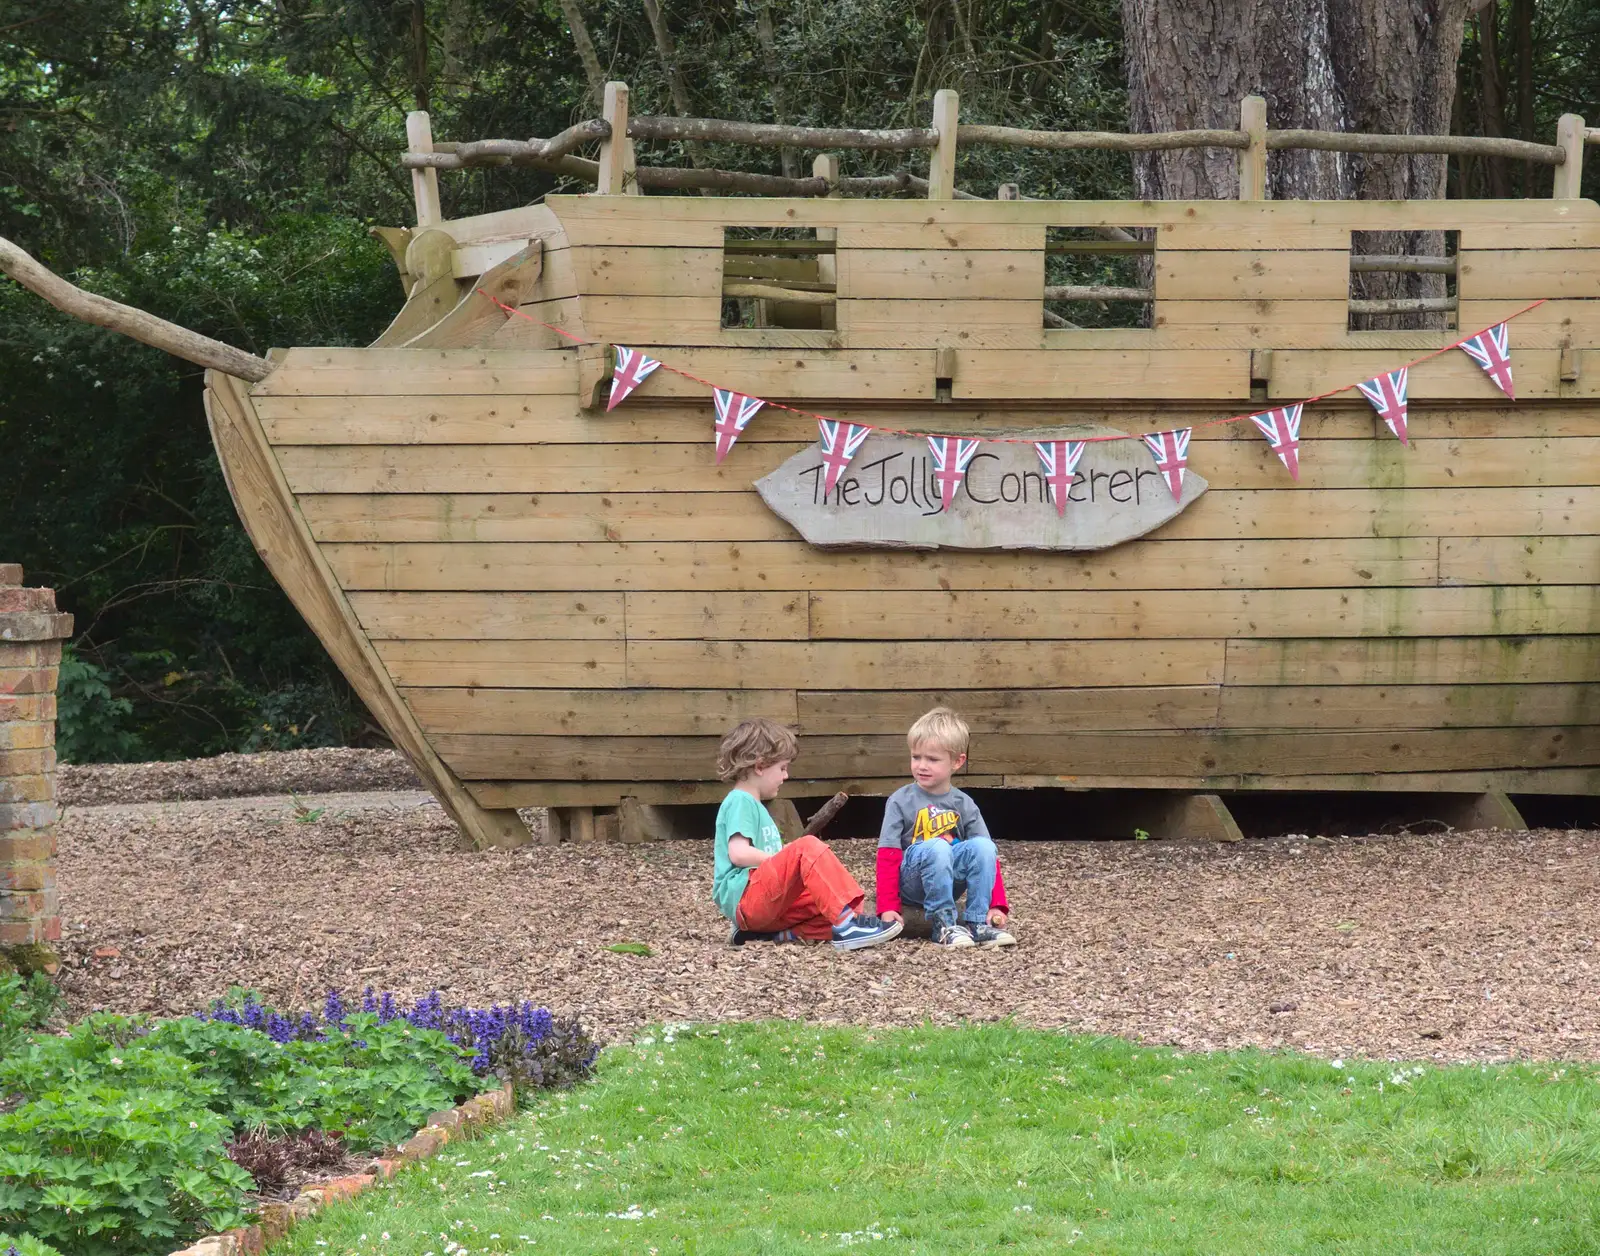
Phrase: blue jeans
x=935 y=873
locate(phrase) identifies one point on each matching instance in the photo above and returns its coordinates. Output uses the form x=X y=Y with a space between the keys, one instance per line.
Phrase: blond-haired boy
x=934 y=846
x=768 y=890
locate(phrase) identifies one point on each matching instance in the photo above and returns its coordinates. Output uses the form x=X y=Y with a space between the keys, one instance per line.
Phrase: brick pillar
x=31 y=632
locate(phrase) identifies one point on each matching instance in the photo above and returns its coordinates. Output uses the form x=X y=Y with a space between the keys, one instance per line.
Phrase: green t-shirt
x=743 y=814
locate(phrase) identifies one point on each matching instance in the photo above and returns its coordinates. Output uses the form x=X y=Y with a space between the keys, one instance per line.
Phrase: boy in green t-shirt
x=768 y=890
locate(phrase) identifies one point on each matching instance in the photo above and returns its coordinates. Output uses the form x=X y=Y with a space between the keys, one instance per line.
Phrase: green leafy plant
x=630 y=948
x=91 y=721
x=25 y=1003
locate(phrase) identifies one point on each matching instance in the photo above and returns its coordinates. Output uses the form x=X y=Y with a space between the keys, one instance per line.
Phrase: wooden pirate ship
x=549 y=603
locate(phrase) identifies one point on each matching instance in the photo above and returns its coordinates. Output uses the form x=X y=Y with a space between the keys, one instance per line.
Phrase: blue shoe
x=862 y=931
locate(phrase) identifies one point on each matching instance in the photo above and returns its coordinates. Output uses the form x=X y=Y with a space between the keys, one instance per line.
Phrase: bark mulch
x=1454 y=946
x=235 y=776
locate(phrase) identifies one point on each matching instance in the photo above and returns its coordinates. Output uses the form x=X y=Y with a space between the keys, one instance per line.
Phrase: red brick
x=345 y=1187
x=34 y=787
x=28 y=906
x=273 y=1219
x=27 y=876
x=384 y=1167
x=27 y=600
x=19 y=820
x=248 y=1239
x=10 y=573
x=23 y=763
x=20 y=932
x=26 y=679
x=50 y=927
x=420 y=1146
x=34 y=706
x=26 y=735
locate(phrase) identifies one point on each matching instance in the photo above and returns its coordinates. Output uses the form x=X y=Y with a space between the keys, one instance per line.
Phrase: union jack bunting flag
x=1060 y=458
x=1387 y=393
x=951 y=457
x=734 y=412
x=632 y=368
x=840 y=442
x=1172 y=456
x=1492 y=351
x=1282 y=430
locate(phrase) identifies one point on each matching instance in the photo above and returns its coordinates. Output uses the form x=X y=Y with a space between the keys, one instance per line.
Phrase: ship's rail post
x=1570 y=137
x=618 y=173
x=1253 y=160
x=424 y=183
x=942 y=164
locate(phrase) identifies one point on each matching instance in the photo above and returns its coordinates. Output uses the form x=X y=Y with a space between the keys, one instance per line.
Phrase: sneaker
x=986 y=935
x=738 y=936
x=948 y=933
x=860 y=931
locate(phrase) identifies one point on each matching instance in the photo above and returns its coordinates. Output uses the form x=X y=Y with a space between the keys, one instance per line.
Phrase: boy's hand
x=997 y=918
x=889 y=917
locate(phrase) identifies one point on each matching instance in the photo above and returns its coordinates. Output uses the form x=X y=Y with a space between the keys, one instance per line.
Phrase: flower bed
x=126 y=1136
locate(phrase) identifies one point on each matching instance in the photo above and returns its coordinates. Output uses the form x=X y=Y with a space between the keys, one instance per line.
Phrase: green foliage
x=630 y=948
x=25 y=1003
x=784 y=1138
x=91 y=721
x=119 y=1143
x=24 y=1245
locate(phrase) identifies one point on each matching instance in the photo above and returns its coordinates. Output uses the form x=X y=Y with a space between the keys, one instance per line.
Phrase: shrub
x=25 y=1003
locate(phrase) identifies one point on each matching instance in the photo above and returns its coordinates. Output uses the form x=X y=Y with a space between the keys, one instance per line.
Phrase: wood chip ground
x=1455 y=946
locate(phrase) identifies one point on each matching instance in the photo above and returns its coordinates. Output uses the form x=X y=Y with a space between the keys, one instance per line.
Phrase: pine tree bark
x=1332 y=65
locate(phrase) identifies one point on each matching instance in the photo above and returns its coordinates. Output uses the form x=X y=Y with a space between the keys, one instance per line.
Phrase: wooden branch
x=1112 y=244
x=591 y=62
x=1404 y=305
x=1017 y=137
x=767 y=135
x=146 y=328
x=729 y=181
x=1059 y=323
x=1090 y=293
x=782 y=248
x=457 y=156
x=1404 y=263
x=1453 y=145
x=823 y=816
x=770 y=292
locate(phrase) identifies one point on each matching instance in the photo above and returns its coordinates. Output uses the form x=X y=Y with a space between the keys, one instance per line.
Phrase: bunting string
x=1490 y=348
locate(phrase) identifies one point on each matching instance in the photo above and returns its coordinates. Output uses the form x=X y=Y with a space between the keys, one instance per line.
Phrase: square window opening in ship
x=1098 y=277
x=778 y=277
x=1403 y=280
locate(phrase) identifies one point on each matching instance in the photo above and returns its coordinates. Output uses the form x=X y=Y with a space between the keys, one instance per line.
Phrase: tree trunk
x=1336 y=65
x=419 y=55
x=1522 y=32
x=769 y=59
x=1492 y=99
x=585 y=46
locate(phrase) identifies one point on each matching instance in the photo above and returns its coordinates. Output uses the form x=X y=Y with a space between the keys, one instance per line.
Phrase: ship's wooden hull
x=548 y=604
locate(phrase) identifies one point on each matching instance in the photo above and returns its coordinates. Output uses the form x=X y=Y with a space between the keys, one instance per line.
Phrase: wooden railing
x=615 y=172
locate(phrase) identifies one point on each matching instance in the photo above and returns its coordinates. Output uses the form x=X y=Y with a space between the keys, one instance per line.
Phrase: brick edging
x=274 y=1219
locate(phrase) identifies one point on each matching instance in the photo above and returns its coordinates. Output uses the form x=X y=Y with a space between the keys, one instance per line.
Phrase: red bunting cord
x=1017 y=440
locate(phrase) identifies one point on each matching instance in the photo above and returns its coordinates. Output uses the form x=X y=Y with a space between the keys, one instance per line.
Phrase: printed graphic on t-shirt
x=932 y=822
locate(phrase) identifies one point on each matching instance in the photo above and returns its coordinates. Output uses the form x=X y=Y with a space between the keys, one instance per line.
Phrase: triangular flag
x=632 y=368
x=1172 y=456
x=734 y=412
x=1282 y=430
x=1491 y=350
x=1060 y=458
x=840 y=441
x=1387 y=393
x=951 y=457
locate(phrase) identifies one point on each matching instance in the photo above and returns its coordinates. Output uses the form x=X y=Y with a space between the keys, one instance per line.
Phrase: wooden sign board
x=888 y=497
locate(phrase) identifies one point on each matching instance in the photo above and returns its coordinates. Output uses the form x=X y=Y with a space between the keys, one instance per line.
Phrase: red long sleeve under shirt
x=888 y=888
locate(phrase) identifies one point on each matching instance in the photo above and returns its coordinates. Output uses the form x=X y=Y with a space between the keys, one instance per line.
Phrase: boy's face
x=766 y=781
x=932 y=766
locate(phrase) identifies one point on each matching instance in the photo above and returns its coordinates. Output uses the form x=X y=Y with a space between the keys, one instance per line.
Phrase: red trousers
x=803 y=887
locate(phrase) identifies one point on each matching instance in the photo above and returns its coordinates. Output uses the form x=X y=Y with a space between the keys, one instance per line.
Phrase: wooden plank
x=1296 y=707
x=626 y=270
x=902 y=665
x=488 y=664
x=942 y=274
x=674 y=322
x=1454 y=376
x=922 y=234
x=1269 y=232
x=378 y=372
x=1414 y=661
x=589 y=219
x=1533 y=560
x=866 y=374
x=583 y=616
x=838 y=711
x=525 y=333
x=608 y=793
x=1121 y=373
x=1544 y=327
x=1251 y=274
x=991 y=324
x=551 y=419
x=717 y=616
x=1200 y=565
x=1528 y=274
x=597 y=712
x=1264 y=319
x=494 y=756
x=1158 y=613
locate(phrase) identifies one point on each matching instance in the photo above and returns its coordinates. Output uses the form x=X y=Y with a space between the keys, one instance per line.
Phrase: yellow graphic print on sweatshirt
x=932 y=822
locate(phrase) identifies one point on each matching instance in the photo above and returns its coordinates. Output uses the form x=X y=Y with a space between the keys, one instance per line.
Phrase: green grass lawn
x=789 y=1138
